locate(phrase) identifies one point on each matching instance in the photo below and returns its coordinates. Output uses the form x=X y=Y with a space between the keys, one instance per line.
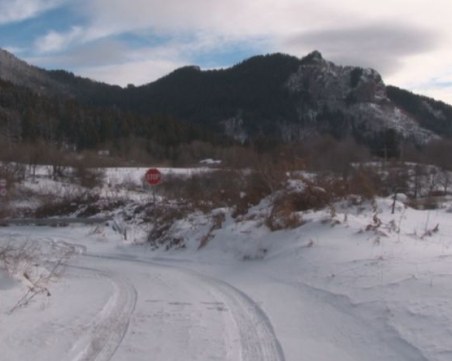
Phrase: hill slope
x=274 y=97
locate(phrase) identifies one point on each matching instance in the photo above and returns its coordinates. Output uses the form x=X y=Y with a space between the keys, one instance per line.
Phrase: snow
x=135 y=175
x=356 y=283
x=6 y=281
x=210 y=161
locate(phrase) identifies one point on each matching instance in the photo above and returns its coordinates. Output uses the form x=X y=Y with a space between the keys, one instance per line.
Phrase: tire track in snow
x=108 y=329
x=257 y=339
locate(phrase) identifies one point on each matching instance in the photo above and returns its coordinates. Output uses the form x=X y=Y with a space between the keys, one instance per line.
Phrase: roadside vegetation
x=289 y=180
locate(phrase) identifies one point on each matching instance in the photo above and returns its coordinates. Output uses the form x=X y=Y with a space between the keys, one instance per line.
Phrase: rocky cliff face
x=347 y=100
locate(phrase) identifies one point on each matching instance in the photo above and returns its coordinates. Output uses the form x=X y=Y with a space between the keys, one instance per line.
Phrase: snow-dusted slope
x=347 y=100
x=359 y=284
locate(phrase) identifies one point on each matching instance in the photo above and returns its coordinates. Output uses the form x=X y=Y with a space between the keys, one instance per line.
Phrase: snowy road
x=167 y=313
x=118 y=307
x=106 y=331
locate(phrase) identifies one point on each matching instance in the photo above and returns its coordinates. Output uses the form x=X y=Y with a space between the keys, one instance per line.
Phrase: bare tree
x=438 y=153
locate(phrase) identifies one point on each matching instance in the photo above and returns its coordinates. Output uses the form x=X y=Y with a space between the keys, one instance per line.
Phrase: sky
x=137 y=41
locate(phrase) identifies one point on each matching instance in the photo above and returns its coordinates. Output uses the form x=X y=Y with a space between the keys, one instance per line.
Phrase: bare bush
x=425 y=203
x=327 y=154
x=12 y=172
x=27 y=262
x=288 y=203
x=217 y=222
x=162 y=218
x=430 y=232
x=215 y=189
x=364 y=182
x=283 y=216
x=74 y=203
x=88 y=177
x=375 y=225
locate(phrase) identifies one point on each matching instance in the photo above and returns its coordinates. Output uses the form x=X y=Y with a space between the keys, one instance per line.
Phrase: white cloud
x=114 y=63
x=228 y=18
x=349 y=31
x=55 y=41
x=132 y=72
x=377 y=45
x=18 y=10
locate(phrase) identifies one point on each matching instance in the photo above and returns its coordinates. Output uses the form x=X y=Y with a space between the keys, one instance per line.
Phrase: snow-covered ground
x=359 y=283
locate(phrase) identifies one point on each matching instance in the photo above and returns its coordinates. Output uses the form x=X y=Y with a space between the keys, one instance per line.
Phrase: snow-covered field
x=359 y=284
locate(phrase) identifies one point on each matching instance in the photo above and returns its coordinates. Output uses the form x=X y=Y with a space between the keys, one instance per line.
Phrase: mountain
x=429 y=113
x=275 y=98
x=56 y=83
x=54 y=107
x=20 y=73
x=291 y=99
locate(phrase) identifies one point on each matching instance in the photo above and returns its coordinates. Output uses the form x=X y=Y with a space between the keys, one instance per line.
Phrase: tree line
x=26 y=117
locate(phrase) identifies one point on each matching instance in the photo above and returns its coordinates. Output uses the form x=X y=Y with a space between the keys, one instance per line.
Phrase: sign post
x=3 y=190
x=153 y=177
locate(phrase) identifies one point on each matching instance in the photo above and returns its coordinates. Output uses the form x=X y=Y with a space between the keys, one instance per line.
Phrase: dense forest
x=431 y=114
x=28 y=117
x=255 y=87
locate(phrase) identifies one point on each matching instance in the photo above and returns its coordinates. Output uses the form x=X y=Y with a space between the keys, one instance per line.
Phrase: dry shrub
x=95 y=205
x=318 y=194
x=162 y=218
x=88 y=177
x=287 y=205
x=283 y=216
x=34 y=266
x=233 y=187
x=4 y=211
x=430 y=232
x=363 y=183
x=12 y=172
x=427 y=203
x=254 y=190
x=217 y=222
x=216 y=189
x=69 y=204
x=312 y=197
x=375 y=225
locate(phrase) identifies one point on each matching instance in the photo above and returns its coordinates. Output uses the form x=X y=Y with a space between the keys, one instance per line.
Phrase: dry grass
x=26 y=261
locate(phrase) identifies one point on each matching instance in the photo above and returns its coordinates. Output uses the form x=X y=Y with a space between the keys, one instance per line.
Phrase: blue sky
x=138 y=41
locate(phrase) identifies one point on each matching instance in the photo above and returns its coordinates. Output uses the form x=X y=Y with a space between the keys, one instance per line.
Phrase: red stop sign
x=153 y=176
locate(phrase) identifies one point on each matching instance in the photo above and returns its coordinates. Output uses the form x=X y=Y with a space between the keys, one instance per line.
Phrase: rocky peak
x=313 y=58
x=331 y=97
x=326 y=82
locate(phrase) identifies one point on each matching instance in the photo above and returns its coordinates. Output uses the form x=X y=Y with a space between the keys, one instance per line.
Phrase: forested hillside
x=28 y=117
x=262 y=102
